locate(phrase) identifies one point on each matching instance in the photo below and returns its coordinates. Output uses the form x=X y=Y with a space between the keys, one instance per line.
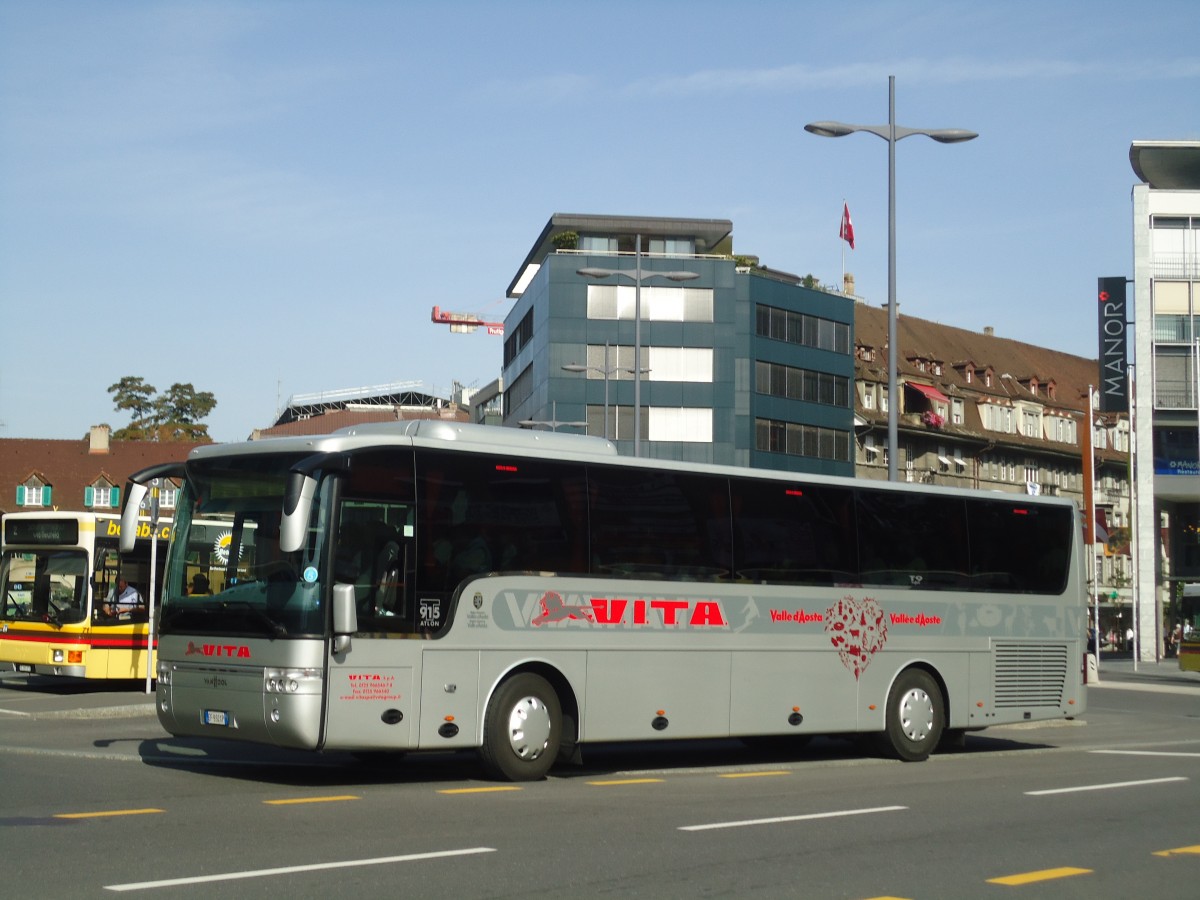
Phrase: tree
x=173 y=415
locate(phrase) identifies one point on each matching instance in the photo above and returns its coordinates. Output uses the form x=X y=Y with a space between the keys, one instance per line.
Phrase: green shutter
x=20 y=495
x=116 y=497
x=46 y=495
x=89 y=496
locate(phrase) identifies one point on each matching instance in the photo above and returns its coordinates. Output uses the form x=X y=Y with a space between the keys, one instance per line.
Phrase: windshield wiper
x=276 y=627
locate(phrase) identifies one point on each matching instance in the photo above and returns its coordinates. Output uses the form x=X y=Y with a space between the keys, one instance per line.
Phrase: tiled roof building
x=84 y=475
x=987 y=412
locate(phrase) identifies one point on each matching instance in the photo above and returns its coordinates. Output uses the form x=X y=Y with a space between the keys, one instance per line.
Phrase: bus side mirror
x=129 y=515
x=345 y=616
x=297 y=508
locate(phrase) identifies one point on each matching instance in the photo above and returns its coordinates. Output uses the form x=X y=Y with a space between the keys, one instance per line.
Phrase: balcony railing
x=1175 y=266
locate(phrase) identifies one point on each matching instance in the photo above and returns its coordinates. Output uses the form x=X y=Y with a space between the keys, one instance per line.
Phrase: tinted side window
x=482 y=513
x=652 y=524
x=913 y=540
x=1017 y=547
x=794 y=533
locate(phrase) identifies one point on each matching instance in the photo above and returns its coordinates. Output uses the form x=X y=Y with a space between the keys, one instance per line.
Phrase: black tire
x=915 y=716
x=522 y=729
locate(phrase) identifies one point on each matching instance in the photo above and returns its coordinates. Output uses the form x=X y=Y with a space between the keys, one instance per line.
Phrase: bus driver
x=123 y=601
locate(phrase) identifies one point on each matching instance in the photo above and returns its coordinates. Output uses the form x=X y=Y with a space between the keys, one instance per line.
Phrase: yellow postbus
x=60 y=575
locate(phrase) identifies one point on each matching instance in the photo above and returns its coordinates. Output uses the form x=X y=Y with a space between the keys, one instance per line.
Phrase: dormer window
x=101 y=494
x=34 y=493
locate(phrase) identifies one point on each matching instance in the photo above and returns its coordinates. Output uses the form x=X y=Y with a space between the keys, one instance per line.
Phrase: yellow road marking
x=1195 y=848
x=311 y=800
x=478 y=790
x=1043 y=875
x=626 y=781
x=114 y=812
x=752 y=774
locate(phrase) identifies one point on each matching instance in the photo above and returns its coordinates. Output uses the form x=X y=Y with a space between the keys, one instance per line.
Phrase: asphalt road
x=97 y=800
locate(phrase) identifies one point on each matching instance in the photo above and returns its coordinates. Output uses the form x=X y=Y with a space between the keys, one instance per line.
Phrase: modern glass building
x=739 y=364
x=1166 y=397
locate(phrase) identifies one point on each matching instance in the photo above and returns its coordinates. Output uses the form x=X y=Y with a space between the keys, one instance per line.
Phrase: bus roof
x=559 y=446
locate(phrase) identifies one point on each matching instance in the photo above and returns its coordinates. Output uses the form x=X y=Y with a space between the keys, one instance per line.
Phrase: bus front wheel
x=915 y=716
x=522 y=729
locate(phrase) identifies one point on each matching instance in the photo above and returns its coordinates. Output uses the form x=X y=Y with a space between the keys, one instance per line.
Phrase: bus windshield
x=227 y=574
x=48 y=585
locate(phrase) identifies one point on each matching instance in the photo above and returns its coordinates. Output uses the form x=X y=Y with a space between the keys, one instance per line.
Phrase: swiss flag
x=846 y=232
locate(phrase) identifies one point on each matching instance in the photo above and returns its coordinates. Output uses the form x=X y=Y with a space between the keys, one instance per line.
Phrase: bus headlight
x=295 y=681
x=164 y=673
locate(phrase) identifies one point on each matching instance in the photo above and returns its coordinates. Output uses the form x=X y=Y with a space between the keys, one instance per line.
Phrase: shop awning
x=929 y=391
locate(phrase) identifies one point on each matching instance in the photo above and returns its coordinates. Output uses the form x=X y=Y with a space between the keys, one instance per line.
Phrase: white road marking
x=779 y=819
x=1105 y=787
x=289 y=870
x=1146 y=753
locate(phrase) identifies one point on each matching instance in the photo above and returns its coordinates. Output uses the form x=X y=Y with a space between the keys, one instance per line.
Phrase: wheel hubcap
x=916 y=715
x=529 y=728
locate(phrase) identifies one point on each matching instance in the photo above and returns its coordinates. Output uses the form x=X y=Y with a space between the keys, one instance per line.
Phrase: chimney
x=989 y=330
x=98 y=439
x=848 y=284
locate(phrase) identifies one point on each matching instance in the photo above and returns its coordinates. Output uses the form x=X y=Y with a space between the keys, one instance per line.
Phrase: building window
x=799 y=328
x=871 y=452
x=868 y=400
x=101 y=496
x=692 y=364
x=795 y=439
x=1033 y=424
x=956 y=412
x=778 y=380
x=680 y=425
x=521 y=336
x=33 y=494
x=678 y=246
x=659 y=304
x=597 y=243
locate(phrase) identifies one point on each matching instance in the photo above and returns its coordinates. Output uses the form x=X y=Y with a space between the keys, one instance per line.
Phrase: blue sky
x=267 y=198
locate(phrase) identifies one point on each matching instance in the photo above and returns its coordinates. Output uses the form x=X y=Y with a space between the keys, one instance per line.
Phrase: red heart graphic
x=857 y=629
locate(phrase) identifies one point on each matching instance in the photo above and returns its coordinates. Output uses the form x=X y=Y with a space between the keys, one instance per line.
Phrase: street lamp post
x=891 y=132
x=637 y=277
x=605 y=371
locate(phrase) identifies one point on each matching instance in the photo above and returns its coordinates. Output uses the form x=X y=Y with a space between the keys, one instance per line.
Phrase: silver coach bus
x=430 y=586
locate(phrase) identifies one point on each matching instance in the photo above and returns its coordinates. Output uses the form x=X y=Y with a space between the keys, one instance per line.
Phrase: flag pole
x=842 y=241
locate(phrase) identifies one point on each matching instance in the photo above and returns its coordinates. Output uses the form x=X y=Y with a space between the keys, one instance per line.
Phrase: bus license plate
x=24 y=667
x=216 y=717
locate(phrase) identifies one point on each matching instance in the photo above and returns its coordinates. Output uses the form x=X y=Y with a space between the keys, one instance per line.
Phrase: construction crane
x=465 y=323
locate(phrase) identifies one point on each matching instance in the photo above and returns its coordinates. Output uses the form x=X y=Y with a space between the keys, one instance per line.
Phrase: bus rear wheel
x=915 y=716
x=522 y=729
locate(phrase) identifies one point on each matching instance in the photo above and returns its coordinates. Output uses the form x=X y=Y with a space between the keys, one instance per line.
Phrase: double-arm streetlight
x=604 y=370
x=891 y=132
x=637 y=277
